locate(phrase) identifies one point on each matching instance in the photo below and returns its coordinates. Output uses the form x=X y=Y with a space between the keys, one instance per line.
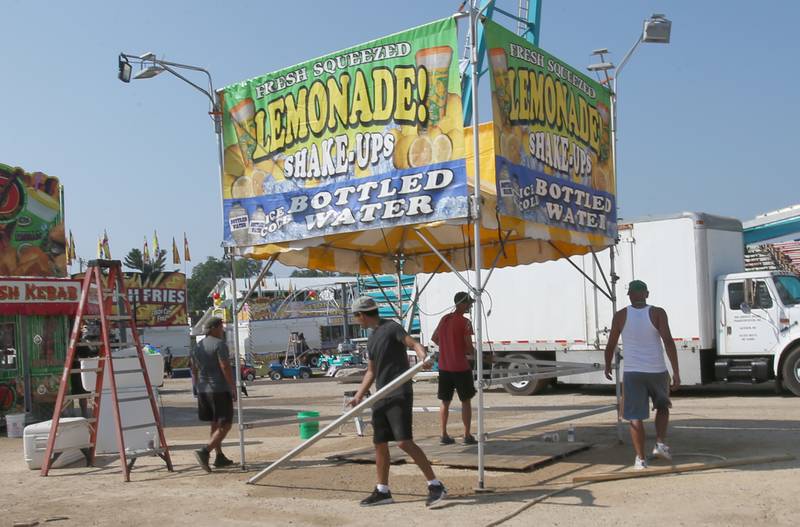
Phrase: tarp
x=374 y=250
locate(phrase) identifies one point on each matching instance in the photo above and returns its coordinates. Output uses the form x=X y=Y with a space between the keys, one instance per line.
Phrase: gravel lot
x=706 y=423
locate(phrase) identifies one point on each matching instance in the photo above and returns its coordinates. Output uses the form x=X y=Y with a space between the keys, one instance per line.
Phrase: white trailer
x=693 y=264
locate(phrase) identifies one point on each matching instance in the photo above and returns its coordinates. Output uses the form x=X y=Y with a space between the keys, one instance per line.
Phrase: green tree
x=205 y=276
x=135 y=260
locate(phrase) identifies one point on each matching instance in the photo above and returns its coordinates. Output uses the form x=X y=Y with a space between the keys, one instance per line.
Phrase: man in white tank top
x=644 y=328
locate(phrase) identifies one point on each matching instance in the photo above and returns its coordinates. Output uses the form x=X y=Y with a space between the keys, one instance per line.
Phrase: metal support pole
x=237 y=361
x=612 y=268
x=476 y=207
x=368 y=403
x=256 y=285
x=345 y=328
x=445 y=261
x=399 y=271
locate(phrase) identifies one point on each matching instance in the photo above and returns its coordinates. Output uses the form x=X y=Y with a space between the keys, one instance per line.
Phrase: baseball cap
x=362 y=304
x=636 y=286
x=461 y=297
x=211 y=323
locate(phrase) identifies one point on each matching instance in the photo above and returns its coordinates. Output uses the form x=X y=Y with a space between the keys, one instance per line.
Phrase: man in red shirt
x=453 y=335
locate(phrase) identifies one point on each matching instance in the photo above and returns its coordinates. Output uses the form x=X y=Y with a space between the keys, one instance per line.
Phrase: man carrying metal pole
x=392 y=416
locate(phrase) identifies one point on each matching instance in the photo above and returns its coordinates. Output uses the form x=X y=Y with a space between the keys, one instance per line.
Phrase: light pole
x=149 y=67
x=656 y=30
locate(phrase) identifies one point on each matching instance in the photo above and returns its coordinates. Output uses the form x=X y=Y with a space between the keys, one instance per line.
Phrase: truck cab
x=758 y=335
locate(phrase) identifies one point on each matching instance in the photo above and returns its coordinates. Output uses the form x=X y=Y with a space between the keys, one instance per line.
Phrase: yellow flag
x=186 y=255
x=176 y=258
x=145 y=252
x=106 y=246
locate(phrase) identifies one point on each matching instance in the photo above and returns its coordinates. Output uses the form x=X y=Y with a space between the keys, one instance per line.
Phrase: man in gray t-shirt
x=216 y=390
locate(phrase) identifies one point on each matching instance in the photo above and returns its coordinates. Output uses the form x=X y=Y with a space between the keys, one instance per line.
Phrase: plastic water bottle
x=571 y=434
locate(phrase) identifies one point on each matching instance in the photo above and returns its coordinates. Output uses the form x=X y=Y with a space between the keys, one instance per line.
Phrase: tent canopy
x=505 y=240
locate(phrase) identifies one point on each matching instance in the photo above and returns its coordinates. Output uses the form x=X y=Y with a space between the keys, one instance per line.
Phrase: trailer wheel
x=275 y=376
x=791 y=372
x=314 y=361
x=304 y=374
x=525 y=387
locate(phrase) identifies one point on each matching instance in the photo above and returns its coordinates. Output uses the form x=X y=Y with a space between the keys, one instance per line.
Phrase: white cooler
x=132 y=413
x=73 y=434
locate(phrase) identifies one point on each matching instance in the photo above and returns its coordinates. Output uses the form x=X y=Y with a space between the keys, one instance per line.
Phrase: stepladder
x=104 y=304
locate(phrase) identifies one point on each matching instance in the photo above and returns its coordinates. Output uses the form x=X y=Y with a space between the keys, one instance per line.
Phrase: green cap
x=637 y=285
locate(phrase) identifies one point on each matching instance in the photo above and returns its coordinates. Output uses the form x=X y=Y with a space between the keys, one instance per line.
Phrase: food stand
x=36 y=298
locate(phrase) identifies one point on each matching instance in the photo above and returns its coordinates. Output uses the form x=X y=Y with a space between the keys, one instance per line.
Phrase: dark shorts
x=638 y=388
x=215 y=406
x=458 y=381
x=392 y=421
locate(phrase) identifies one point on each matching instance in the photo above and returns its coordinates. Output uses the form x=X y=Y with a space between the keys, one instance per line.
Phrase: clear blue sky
x=707 y=123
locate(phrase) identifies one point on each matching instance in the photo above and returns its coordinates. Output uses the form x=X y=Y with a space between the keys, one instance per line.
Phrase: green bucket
x=308 y=428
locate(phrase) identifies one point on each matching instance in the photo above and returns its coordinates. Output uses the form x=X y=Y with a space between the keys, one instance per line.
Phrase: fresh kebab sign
x=369 y=137
x=552 y=132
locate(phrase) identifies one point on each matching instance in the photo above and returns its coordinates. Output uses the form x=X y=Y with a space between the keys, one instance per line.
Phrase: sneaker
x=470 y=440
x=446 y=440
x=436 y=493
x=661 y=450
x=639 y=464
x=377 y=498
x=222 y=461
x=202 y=457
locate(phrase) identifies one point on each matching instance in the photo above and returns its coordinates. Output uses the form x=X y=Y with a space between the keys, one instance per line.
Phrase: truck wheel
x=304 y=374
x=323 y=366
x=275 y=376
x=524 y=387
x=250 y=377
x=791 y=372
x=313 y=361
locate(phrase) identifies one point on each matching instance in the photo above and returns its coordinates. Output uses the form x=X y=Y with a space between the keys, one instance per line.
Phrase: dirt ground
x=706 y=424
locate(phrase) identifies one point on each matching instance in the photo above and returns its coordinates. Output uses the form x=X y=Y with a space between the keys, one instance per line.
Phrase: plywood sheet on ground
x=501 y=454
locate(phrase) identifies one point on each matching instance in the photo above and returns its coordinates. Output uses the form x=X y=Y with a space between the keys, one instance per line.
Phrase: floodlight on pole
x=600 y=66
x=151 y=66
x=148 y=72
x=124 y=69
x=657 y=29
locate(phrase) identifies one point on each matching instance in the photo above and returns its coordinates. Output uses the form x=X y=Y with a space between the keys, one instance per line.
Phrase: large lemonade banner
x=369 y=137
x=552 y=127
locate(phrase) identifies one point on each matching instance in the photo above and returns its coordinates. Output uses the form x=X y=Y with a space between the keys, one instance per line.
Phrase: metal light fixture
x=600 y=66
x=148 y=72
x=657 y=29
x=124 y=69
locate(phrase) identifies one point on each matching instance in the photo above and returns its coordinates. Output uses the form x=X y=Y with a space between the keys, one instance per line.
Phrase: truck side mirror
x=745 y=307
x=749 y=293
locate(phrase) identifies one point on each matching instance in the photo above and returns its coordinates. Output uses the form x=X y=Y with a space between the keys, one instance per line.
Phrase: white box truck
x=729 y=325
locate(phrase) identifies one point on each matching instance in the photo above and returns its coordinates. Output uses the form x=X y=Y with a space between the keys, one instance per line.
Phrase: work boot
x=202 y=457
x=221 y=461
